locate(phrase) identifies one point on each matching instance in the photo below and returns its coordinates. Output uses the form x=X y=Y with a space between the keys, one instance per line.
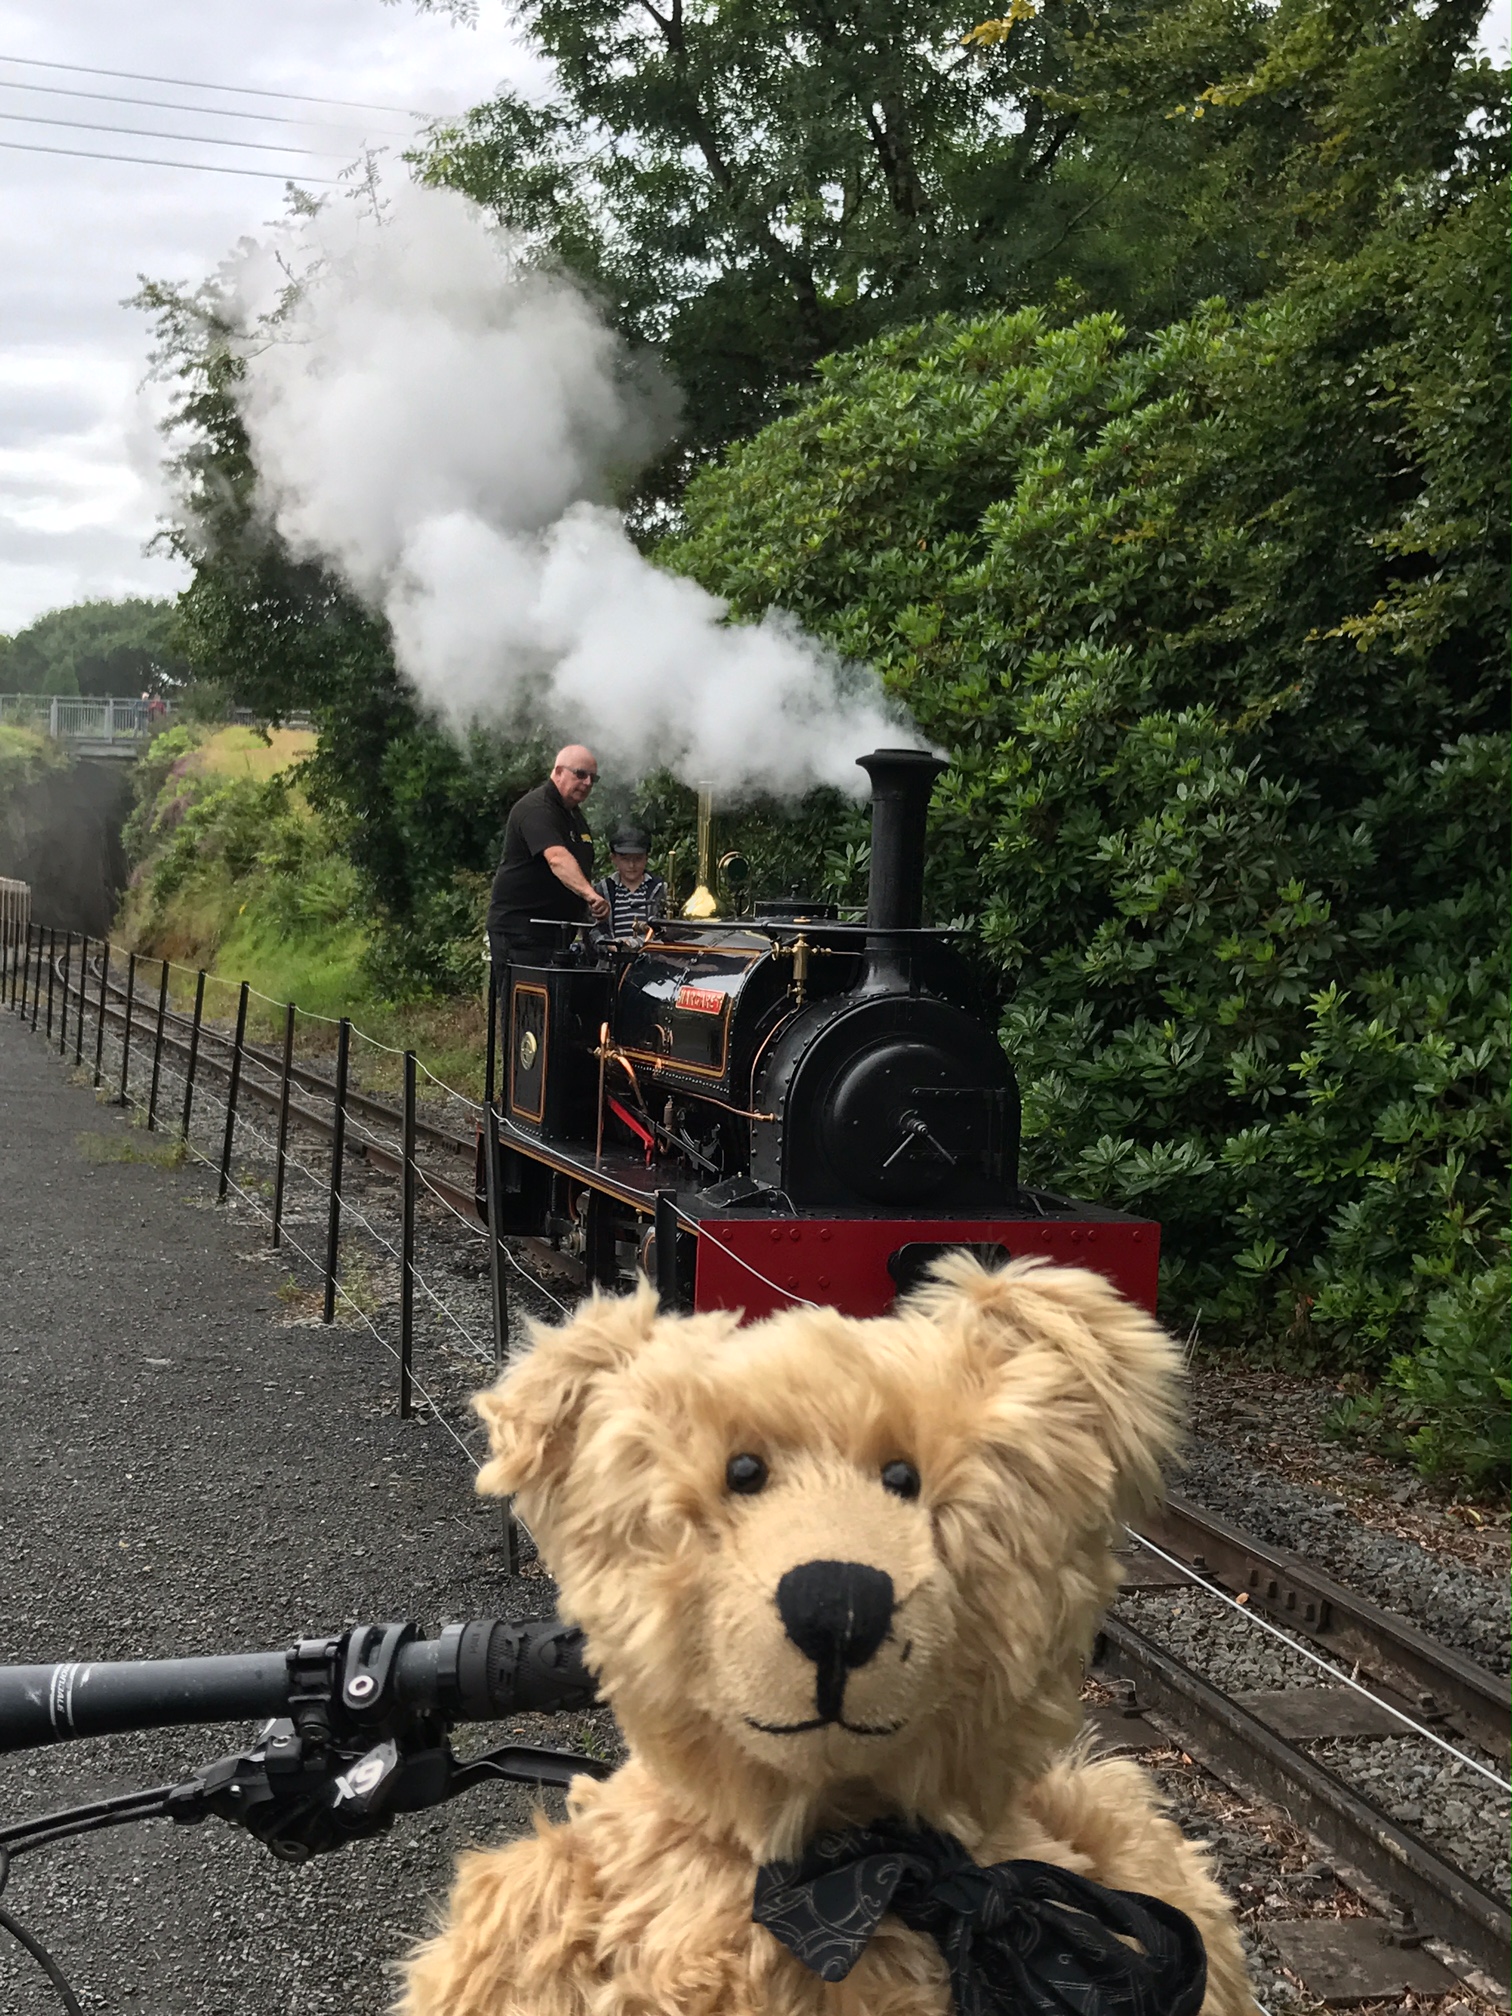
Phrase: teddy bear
x=838 y=1580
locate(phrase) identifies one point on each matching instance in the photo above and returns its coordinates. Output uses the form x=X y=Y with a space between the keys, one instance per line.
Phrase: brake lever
x=302 y=1799
x=526 y=1764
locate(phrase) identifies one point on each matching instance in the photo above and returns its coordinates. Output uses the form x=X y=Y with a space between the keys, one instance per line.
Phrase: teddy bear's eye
x=745 y=1473
x=900 y=1478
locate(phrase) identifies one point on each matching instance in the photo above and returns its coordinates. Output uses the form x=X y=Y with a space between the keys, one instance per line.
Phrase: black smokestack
x=902 y=780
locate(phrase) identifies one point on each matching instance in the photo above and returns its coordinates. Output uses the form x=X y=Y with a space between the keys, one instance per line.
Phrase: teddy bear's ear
x=534 y=1411
x=1038 y=1323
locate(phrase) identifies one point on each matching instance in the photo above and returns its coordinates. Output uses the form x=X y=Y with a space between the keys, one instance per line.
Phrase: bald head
x=575 y=772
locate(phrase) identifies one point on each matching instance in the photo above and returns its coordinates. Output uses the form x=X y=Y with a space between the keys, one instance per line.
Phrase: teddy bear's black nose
x=837 y=1613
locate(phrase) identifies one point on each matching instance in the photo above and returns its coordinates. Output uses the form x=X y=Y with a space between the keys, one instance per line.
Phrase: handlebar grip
x=53 y=1704
x=520 y=1669
x=476 y=1672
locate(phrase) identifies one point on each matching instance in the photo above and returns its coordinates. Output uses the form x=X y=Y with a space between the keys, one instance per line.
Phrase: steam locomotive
x=778 y=1108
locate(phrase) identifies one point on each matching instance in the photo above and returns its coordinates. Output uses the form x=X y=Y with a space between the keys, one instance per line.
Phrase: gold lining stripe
x=545 y=1052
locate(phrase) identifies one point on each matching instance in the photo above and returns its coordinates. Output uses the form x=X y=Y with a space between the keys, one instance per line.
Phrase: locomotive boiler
x=779 y=1108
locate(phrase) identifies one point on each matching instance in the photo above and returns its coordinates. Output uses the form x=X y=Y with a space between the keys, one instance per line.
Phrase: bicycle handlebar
x=355 y=1731
x=480 y=1671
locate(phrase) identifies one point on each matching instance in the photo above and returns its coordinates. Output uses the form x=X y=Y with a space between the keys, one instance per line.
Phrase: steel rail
x=1442 y=1683
x=311 y=1080
x=390 y=1162
x=462 y=1200
x=268 y=1097
x=1446 y=1903
x=390 y=1116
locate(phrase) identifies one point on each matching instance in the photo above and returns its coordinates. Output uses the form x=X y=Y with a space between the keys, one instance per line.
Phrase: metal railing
x=15 y=915
x=84 y=988
x=70 y=718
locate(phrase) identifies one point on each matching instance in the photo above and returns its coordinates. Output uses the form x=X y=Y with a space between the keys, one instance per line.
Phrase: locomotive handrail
x=765 y=926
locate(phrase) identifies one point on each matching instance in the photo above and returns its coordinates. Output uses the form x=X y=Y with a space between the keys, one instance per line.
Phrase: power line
x=177 y=105
x=155 y=133
x=148 y=161
x=199 y=84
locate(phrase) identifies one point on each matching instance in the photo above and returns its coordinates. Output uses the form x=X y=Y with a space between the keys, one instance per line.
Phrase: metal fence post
x=281 y=1157
x=194 y=1036
x=668 y=1286
x=52 y=974
x=63 y=1003
x=489 y=1074
x=79 y=1001
x=232 y=1088
x=100 y=1013
x=37 y=978
x=157 y=1048
x=494 y=1192
x=126 y=1029
x=338 y=1151
x=25 y=968
x=494 y=1182
x=407 y=1241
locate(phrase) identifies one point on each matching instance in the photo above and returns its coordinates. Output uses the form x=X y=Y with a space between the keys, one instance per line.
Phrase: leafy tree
x=120 y=647
x=1214 y=626
x=753 y=187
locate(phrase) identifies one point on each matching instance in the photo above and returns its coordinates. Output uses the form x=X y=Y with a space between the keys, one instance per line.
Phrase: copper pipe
x=603 y=1060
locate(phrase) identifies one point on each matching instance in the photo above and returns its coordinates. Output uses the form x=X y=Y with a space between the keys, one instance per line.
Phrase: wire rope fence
x=340 y=1159
x=370 y=1202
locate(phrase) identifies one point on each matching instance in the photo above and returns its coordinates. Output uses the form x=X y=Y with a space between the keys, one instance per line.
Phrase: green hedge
x=1213 y=627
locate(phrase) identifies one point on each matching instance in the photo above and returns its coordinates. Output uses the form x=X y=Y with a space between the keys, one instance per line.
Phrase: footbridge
x=104 y=728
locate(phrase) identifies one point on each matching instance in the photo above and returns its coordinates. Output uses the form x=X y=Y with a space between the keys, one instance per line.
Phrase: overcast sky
x=77 y=495
x=77 y=500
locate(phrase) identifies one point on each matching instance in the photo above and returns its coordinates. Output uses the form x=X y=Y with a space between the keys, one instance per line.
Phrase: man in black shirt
x=546 y=863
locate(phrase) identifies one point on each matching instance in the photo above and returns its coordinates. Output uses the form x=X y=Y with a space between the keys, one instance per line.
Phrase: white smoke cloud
x=444 y=425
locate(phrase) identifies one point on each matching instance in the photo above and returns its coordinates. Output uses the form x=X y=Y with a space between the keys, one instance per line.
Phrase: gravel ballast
x=1442 y=1597
x=1442 y=1800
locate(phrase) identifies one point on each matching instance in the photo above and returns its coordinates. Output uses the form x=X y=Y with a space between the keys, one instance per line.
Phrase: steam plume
x=444 y=426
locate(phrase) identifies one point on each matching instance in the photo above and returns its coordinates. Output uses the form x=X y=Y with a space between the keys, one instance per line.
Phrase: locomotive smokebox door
x=896 y=1116
x=549 y=1035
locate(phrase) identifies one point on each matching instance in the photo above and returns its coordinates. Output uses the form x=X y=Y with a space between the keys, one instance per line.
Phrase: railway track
x=1258 y=1746
x=261 y=1075
x=1258 y=1743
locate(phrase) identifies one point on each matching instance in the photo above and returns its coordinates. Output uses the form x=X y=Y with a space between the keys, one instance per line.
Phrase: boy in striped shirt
x=633 y=896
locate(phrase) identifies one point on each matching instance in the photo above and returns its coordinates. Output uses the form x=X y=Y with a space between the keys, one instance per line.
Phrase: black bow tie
x=1018 y=1937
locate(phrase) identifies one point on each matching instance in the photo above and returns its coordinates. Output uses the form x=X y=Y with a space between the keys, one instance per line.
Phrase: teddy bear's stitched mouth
x=823 y=1722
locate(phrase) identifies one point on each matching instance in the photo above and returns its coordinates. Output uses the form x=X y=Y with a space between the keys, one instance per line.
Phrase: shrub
x=1448 y=1405
x=1213 y=627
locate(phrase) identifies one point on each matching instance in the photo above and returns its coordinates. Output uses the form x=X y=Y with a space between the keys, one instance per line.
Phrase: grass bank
x=234 y=870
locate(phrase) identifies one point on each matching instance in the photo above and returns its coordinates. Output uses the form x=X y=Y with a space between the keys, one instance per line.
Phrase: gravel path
x=187 y=1468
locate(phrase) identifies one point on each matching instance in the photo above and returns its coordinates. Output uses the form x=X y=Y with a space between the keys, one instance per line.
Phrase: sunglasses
x=583 y=776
